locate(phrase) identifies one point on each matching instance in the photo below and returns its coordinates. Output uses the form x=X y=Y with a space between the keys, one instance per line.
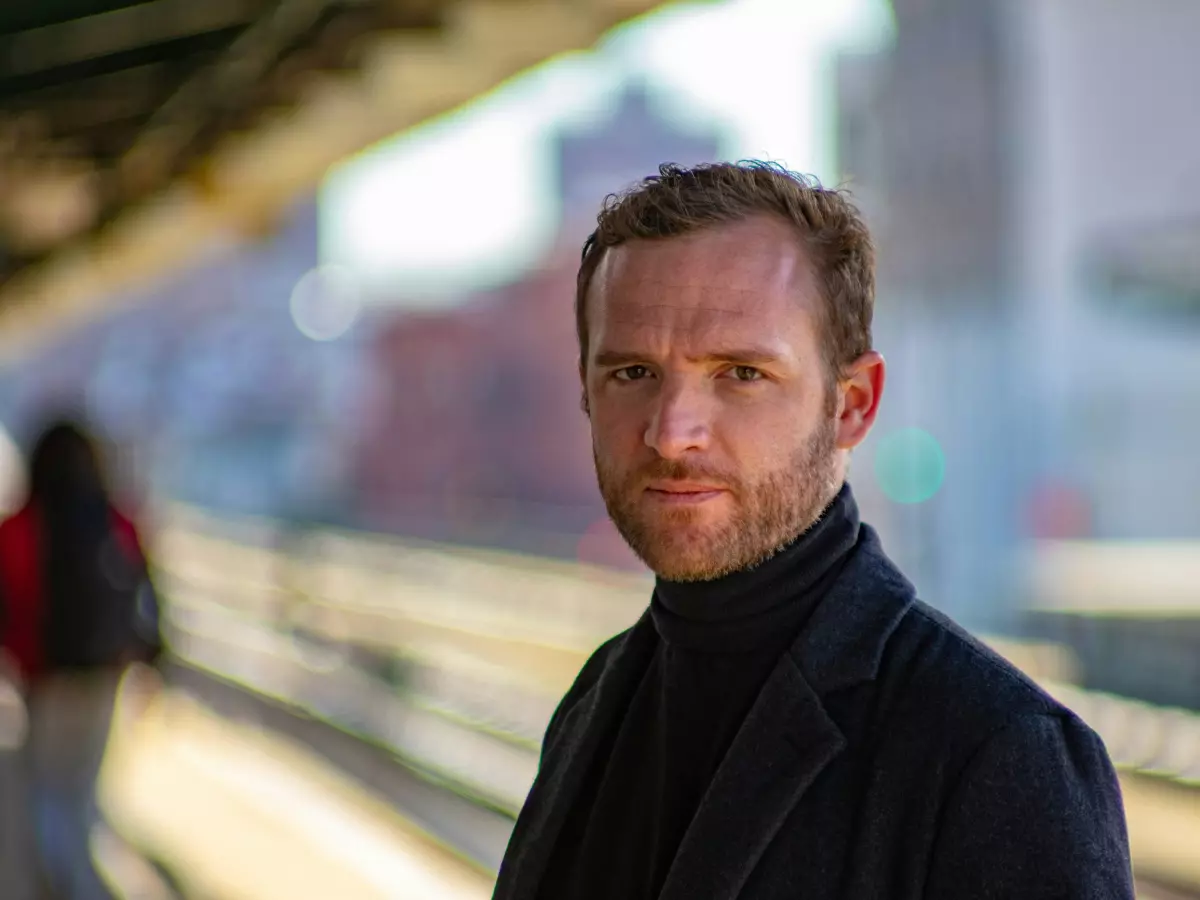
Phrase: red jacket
x=21 y=586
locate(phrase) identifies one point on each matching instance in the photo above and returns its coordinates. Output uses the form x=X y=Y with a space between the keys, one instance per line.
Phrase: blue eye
x=631 y=373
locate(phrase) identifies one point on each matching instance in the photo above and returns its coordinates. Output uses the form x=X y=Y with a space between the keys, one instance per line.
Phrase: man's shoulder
x=926 y=673
x=940 y=674
x=600 y=660
x=1012 y=773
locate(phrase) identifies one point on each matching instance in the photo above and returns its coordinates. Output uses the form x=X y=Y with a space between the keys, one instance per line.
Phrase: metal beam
x=177 y=122
x=405 y=78
x=180 y=51
x=90 y=102
x=78 y=40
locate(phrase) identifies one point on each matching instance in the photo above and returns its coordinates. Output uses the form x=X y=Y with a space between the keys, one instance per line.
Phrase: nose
x=680 y=423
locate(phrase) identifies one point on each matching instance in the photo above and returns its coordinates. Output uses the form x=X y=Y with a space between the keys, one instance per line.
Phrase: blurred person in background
x=787 y=719
x=78 y=608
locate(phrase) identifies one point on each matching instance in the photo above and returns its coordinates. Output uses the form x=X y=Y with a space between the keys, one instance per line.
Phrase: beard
x=769 y=511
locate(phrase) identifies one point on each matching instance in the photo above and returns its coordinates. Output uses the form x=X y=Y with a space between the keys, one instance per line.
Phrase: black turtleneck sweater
x=717 y=643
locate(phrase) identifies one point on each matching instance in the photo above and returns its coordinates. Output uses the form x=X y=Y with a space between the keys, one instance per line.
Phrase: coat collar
x=843 y=641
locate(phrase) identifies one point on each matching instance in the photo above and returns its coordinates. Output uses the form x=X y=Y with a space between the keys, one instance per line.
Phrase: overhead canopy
x=132 y=131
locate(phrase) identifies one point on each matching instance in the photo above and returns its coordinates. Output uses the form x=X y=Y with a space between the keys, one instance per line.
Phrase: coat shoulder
x=596 y=664
x=1025 y=799
x=939 y=677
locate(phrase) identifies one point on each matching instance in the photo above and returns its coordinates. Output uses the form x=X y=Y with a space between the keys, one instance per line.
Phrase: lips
x=683 y=487
x=676 y=493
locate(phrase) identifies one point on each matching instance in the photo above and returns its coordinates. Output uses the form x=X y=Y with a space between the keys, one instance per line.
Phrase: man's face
x=715 y=432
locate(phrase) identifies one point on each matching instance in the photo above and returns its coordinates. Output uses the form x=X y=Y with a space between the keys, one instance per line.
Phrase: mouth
x=682 y=492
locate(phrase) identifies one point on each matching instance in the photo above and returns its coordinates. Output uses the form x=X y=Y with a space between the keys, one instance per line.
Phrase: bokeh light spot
x=325 y=303
x=909 y=465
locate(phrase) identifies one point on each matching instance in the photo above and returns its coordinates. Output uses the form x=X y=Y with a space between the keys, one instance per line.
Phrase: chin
x=680 y=553
x=686 y=573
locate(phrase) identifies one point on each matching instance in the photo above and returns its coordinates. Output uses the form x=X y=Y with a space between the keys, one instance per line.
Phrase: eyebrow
x=738 y=356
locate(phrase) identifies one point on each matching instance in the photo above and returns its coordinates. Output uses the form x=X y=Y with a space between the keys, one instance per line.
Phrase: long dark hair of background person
x=67 y=485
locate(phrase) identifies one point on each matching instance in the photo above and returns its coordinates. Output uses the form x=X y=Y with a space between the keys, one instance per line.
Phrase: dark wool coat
x=889 y=756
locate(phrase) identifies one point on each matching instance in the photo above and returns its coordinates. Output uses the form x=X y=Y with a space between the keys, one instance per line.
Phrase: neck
x=739 y=610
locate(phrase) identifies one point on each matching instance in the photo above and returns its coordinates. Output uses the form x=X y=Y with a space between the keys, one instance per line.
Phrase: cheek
x=616 y=431
x=759 y=435
x=616 y=412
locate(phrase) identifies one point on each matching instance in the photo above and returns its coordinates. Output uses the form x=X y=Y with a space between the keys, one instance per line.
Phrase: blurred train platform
x=360 y=717
x=238 y=812
x=450 y=661
x=229 y=796
x=221 y=809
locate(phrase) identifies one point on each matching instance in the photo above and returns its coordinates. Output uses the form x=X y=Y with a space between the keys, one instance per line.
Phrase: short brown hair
x=681 y=200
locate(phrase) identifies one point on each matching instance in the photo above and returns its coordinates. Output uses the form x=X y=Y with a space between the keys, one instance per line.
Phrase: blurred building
x=205 y=380
x=1031 y=171
x=613 y=153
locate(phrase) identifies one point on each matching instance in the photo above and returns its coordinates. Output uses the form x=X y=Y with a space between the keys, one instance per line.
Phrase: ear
x=859 y=392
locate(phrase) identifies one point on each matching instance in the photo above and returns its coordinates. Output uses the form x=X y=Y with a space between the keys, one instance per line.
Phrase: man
x=786 y=720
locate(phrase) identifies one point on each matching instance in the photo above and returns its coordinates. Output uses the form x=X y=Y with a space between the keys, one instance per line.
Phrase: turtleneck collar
x=764 y=604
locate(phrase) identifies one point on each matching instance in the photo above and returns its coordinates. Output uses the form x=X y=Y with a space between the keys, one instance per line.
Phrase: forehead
x=749 y=279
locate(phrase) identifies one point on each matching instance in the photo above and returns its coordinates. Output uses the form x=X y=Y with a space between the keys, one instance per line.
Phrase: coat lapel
x=788 y=738
x=785 y=742
x=596 y=714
